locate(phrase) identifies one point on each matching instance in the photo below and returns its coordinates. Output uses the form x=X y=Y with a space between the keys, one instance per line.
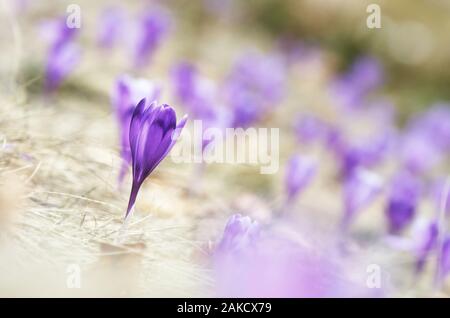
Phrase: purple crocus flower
x=360 y=190
x=153 y=132
x=418 y=153
x=184 y=76
x=63 y=54
x=255 y=85
x=152 y=29
x=402 y=201
x=435 y=125
x=426 y=140
x=364 y=76
x=366 y=153
x=198 y=95
x=194 y=91
x=126 y=95
x=246 y=108
x=56 y=32
x=111 y=22
x=240 y=232
x=309 y=128
x=61 y=62
x=299 y=173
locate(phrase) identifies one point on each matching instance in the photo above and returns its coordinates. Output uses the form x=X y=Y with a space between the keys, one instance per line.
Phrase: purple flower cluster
x=143 y=35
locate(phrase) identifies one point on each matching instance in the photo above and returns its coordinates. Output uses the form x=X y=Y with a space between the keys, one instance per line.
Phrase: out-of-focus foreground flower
x=253 y=261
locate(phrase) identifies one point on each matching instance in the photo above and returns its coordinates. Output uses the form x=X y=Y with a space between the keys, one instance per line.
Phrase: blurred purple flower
x=428 y=240
x=365 y=75
x=309 y=128
x=199 y=96
x=246 y=109
x=153 y=132
x=402 y=201
x=299 y=173
x=152 y=29
x=110 y=26
x=56 y=32
x=426 y=140
x=366 y=153
x=360 y=190
x=418 y=153
x=440 y=194
x=196 y=93
x=63 y=54
x=435 y=125
x=256 y=83
x=240 y=232
x=184 y=76
x=61 y=62
x=335 y=140
x=127 y=93
x=444 y=261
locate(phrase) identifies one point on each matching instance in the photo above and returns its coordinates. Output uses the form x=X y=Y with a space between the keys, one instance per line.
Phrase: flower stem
x=133 y=195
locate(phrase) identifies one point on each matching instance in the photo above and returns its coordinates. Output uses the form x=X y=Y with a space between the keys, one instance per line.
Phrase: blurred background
x=412 y=42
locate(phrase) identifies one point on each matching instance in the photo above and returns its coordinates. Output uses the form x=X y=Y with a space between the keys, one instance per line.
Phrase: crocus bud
x=126 y=95
x=153 y=132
